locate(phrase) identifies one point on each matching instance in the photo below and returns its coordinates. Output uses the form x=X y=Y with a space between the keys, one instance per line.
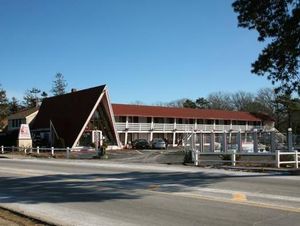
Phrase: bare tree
x=220 y=100
x=242 y=101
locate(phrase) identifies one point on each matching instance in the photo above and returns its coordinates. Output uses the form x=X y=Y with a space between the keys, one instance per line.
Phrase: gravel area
x=11 y=219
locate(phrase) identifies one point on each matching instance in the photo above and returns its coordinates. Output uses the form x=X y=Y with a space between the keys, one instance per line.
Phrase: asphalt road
x=105 y=193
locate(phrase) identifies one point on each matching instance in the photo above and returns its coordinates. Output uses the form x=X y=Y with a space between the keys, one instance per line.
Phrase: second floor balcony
x=171 y=127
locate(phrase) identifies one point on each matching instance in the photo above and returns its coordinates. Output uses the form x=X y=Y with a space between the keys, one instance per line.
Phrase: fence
x=233 y=158
x=68 y=153
x=252 y=147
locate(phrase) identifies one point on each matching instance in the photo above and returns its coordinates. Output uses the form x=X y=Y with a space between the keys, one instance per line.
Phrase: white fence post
x=2 y=149
x=290 y=139
x=296 y=159
x=68 y=152
x=38 y=150
x=52 y=151
x=277 y=158
x=196 y=157
x=233 y=158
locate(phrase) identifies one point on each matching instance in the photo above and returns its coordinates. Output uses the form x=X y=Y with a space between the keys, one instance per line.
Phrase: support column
x=201 y=142
x=126 y=139
x=224 y=142
x=296 y=160
x=239 y=141
x=212 y=142
x=174 y=123
x=174 y=139
x=255 y=141
x=273 y=140
x=126 y=123
x=230 y=138
x=152 y=124
x=151 y=135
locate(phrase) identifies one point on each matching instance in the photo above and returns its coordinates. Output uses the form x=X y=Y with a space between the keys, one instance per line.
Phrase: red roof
x=171 y=112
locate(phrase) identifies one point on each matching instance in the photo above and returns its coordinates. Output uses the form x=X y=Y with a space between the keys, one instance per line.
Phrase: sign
x=24 y=132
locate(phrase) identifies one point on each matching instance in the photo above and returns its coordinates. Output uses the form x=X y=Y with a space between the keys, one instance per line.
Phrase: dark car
x=140 y=144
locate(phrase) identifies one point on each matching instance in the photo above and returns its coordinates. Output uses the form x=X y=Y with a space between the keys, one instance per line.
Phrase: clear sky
x=146 y=50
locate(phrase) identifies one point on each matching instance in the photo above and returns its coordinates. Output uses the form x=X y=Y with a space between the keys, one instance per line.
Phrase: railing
x=233 y=157
x=185 y=127
x=51 y=151
x=122 y=126
x=163 y=126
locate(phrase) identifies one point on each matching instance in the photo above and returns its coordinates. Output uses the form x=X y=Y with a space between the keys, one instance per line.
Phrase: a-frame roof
x=68 y=113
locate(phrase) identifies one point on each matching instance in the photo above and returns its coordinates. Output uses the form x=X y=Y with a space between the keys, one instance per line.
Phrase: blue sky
x=146 y=50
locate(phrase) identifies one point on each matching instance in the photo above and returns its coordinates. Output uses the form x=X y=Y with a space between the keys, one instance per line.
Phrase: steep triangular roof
x=68 y=113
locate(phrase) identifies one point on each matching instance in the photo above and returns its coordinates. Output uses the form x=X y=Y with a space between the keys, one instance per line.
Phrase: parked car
x=158 y=143
x=140 y=144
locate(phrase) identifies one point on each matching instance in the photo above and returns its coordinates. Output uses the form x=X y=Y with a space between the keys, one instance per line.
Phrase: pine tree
x=32 y=98
x=59 y=85
x=3 y=106
x=277 y=23
x=14 y=106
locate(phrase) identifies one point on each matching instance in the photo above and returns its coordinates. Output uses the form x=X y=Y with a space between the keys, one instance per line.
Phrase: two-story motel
x=148 y=122
x=72 y=118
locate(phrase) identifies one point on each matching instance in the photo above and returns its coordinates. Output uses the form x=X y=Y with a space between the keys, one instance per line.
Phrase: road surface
x=65 y=192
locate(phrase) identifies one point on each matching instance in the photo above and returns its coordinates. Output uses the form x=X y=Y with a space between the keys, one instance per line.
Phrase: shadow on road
x=63 y=188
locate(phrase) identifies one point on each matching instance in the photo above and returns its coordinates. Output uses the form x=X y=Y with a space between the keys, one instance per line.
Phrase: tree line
x=32 y=98
x=284 y=109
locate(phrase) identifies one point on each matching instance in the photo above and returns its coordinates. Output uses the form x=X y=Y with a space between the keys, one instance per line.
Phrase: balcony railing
x=169 y=127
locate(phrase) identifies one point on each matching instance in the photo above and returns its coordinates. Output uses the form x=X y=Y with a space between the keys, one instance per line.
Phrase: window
x=158 y=120
x=200 y=121
x=227 y=122
x=241 y=122
x=209 y=122
x=169 y=120
x=15 y=123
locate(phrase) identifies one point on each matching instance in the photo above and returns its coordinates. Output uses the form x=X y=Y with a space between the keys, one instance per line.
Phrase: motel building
x=148 y=122
x=86 y=118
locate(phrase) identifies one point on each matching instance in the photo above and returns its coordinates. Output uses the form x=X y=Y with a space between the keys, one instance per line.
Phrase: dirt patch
x=11 y=218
